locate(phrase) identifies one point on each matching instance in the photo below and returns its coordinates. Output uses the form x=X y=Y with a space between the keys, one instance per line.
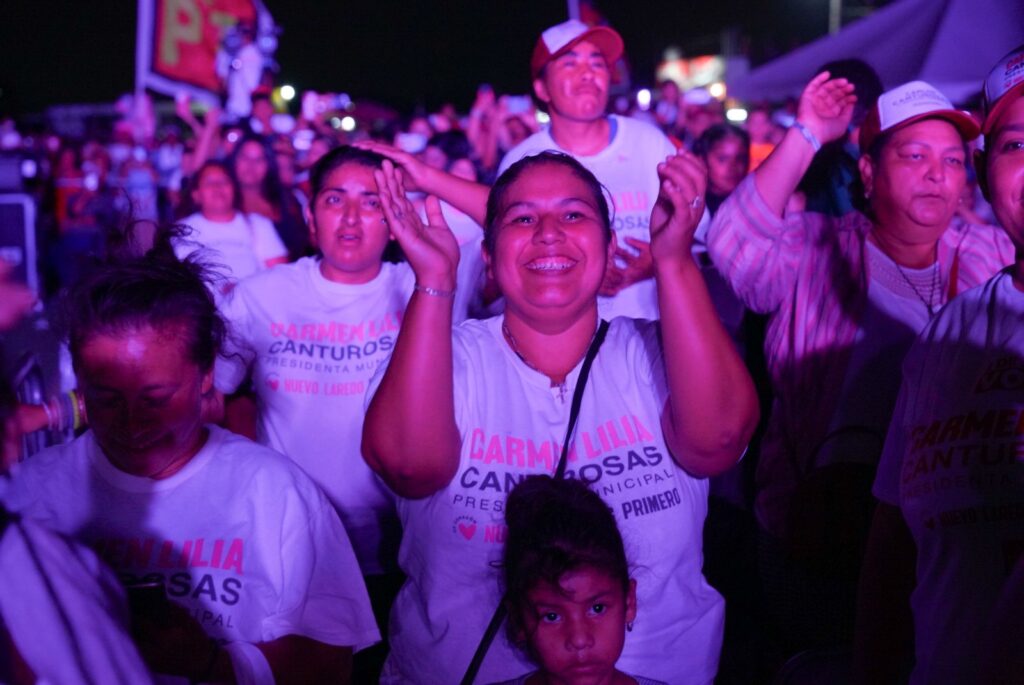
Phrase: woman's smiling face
x=550 y=246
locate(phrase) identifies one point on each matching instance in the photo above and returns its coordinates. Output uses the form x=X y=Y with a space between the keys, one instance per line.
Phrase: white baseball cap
x=908 y=104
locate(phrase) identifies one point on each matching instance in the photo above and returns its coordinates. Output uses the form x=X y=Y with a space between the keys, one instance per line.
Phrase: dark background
x=402 y=54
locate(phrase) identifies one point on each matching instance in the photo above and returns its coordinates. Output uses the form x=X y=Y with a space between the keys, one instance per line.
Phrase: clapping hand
x=431 y=249
x=679 y=207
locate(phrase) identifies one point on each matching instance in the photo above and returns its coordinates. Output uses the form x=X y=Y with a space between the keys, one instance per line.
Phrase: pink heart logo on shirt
x=468 y=531
x=273 y=382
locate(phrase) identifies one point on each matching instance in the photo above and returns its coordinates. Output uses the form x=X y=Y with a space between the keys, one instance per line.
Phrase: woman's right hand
x=826 y=107
x=432 y=249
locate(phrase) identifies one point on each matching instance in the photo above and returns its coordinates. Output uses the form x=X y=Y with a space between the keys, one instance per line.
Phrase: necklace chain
x=562 y=389
x=936 y=285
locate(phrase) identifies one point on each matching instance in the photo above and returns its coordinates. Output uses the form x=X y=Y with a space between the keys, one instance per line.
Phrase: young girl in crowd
x=240 y=244
x=255 y=165
x=725 y=150
x=569 y=595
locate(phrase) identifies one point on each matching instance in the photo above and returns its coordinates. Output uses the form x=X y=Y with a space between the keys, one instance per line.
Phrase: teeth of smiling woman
x=551 y=264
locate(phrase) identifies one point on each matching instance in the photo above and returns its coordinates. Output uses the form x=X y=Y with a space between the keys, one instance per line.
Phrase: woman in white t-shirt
x=261 y=578
x=239 y=244
x=458 y=419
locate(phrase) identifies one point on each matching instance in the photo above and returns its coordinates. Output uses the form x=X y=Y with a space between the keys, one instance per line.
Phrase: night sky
x=400 y=53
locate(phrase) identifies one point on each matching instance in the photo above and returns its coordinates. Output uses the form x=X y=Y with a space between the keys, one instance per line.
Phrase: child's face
x=576 y=631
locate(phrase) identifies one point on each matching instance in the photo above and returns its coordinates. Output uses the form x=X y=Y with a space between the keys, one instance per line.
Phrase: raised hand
x=413 y=169
x=826 y=107
x=432 y=249
x=679 y=207
x=638 y=266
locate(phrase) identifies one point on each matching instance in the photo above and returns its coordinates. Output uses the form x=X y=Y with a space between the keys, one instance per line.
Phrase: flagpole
x=573 y=7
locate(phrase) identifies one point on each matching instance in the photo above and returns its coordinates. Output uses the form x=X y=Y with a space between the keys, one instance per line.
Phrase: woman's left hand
x=432 y=249
x=679 y=207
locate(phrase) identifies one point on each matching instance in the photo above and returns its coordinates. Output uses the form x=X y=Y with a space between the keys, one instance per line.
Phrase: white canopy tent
x=949 y=43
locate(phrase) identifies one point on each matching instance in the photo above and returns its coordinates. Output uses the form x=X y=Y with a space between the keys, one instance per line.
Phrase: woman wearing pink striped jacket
x=845 y=297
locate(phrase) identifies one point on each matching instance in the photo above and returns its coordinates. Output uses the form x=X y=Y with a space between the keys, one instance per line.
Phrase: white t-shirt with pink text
x=312 y=345
x=512 y=424
x=239 y=536
x=954 y=465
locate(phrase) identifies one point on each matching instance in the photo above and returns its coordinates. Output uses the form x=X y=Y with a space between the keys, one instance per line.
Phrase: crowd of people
x=634 y=396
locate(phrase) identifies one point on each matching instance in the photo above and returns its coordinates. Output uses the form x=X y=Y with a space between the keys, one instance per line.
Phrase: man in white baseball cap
x=572 y=70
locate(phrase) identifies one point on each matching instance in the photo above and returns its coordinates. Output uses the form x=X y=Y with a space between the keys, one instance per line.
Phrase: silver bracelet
x=808 y=135
x=434 y=291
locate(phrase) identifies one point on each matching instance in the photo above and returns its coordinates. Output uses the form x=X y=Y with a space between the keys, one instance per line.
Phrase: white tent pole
x=574 y=8
x=835 y=16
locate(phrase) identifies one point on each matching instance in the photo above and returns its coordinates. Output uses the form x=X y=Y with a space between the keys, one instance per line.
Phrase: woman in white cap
x=846 y=298
x=949 y=527
x=459 y=418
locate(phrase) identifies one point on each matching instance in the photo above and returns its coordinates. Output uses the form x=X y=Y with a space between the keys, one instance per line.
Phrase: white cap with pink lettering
x=910 y=103
x=1005 y=83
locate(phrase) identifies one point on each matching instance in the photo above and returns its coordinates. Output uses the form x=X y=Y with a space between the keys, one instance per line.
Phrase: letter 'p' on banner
x=178 y=40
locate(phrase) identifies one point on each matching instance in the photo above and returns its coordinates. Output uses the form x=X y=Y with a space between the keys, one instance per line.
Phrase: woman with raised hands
x=459 y=417
x=846 y=297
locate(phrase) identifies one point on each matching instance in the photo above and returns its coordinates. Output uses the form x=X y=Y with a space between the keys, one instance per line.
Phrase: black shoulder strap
x=574 y=411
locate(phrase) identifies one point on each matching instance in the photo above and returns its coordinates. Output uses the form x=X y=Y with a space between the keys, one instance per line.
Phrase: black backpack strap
x=574 y=411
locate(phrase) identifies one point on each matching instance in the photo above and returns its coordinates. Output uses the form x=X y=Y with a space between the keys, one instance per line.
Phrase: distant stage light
x=717 y=90
x=643 y=99
x=287 y=93
x=736 y=114
x=348 y=124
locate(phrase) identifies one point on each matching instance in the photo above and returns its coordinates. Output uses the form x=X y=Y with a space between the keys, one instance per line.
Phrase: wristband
x=808 y=135
x=249 y=664
x=434 y=291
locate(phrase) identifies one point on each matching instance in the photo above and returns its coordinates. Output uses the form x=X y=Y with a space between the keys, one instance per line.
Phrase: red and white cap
x=1005 y=83
x=561 y=37
x=908 y=104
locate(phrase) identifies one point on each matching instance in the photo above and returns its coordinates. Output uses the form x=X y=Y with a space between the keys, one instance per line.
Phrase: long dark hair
x=271 y=188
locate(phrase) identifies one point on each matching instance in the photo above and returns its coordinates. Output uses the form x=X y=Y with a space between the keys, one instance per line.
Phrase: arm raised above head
x=823 y=115
x=712 y=407
x=410 y=438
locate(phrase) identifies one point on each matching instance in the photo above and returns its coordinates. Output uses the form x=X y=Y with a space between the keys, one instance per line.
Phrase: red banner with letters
x=178 y=41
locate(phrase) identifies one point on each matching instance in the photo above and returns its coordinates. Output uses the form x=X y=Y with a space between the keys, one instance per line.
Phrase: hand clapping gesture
x=679 y=207
x=432 y=250
x=826 y=107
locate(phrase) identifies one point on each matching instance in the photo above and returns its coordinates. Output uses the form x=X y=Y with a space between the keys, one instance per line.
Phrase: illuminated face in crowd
x=215 y=194
x=576 y=631
x=727 y=161
x=1004 y=150
x=916 y=182
x=551 y=245
x=143 y=394
x=347 y=223
x=575 y=84
x=251 y=164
